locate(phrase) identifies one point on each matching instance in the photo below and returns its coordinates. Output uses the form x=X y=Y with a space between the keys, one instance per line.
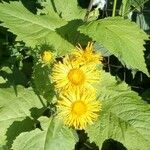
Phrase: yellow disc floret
x=78 y=108
x=47 y=56
x=76 y=76
x=69 y=75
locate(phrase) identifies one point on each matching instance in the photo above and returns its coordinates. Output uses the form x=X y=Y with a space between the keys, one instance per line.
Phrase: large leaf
x=69 y=10
x=54 y=136
x=124 y=116
x=126 y=6
x=15 y=107
x=122 y=38
x=48 y=8
x=33 y=29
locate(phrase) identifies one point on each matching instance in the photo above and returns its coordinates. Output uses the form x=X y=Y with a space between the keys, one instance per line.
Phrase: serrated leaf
x=33 y=29
x=54 y=136
x=69 y=10
x=48 y=8
x=124 y=116
x=122 y=38
x=15 y=107
x=126 y=5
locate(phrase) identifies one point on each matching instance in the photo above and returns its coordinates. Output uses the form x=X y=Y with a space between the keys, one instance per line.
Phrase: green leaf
x=33 y=29
x=2 y=80
x=69 y=10
x=54 y=136
x=74 y=36
x=13 y=76
x=122 y=38
x=15 y=107
x=48 y=8
x=41 y=79
x=124 y=116
x=126 y=6
x=16 y=128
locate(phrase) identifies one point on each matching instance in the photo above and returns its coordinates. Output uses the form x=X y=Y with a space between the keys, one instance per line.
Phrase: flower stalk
x=114 y=8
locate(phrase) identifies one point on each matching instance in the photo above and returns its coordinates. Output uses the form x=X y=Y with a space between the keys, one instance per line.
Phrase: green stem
x=114 y=8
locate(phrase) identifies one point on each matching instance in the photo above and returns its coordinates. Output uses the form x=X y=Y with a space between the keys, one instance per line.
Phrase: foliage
x=37 y=29
x=126 y=6
x=53 y=136
x=122 y=38
x=125 y=117
x=29 y=96
x=16 y=108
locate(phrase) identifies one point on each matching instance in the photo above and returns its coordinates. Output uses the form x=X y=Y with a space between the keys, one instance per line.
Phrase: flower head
x=47 y=56
x=78 y=108
x=87 y=55
x=69 y=75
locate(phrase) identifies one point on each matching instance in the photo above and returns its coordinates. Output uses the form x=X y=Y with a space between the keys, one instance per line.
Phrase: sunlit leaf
x=54 y=136
x=124 y=116
x=69 y=10
x=122 y=38
x=15 y=107
x=33 y=29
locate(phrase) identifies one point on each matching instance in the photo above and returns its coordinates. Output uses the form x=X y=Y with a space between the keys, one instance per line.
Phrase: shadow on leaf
x=41 y=83
x=70 y=33
x=36 y=112
x=16 y=128
x=112 y=145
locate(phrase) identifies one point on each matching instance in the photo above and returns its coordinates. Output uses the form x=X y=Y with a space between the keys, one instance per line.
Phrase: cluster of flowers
x=74 y=77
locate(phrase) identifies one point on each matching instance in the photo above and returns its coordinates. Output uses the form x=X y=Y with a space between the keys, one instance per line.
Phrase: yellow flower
x=69 y=75
x=78 y=108
x=87 y=55
x=47 y=56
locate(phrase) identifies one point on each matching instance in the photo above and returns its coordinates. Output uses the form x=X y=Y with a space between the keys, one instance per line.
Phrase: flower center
x=76 y=76
x=47 y=56
x=87 y=55
x=78 y=108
